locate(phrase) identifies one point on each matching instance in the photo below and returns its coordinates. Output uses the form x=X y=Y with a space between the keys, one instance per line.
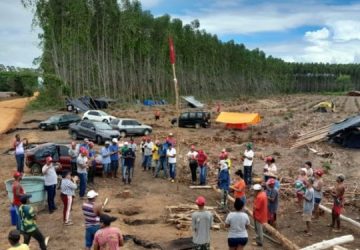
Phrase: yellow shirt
x=155 y=155
x=228 y=161
x=20 y=247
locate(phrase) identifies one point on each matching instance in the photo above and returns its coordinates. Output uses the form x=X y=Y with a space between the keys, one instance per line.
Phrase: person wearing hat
x=308 y=205
x=82 y=163
x=50 y=178
x=28 y=223
x=318 y=185
x=74 y=153
x=18 y=191
x=106 y=161
x=128 y=166
x=155 y=156
x=14 y=240
x=202 y=163
x=68 y=187
x=238 y=222
x=338 y=196
x=148 y=151
x=92 y=212
x=171 y=156
x=19 y=147
x=248 y=158
x=201 y=222
x=171 y=139
x=193 y=165
x=114 y=157
x=260 y=210
x=270 y=169
x=273 y=201
x=108 y=238
x=224 y=183
x=239 y=186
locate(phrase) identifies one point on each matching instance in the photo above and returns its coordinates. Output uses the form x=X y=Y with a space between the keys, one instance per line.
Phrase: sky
x=294 y=30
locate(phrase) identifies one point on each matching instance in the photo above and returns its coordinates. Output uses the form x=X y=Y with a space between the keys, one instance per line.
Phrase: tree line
x=117 y=49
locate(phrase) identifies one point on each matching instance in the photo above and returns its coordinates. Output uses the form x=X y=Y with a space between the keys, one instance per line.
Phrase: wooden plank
x=329 y=243
x=310 y=140
x=339 y=248
x=200 y=187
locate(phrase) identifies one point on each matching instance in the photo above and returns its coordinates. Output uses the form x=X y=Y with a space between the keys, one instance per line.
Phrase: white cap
x=223 y=150
x=86 y=140
x=126 y=143
x=91 y=194
x=107 y=142
x=257 y=187
x=114 y=140
x=170 y=134
x=304 y=170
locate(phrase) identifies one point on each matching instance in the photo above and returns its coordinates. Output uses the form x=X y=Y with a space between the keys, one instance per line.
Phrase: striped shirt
x=91 y=218
x=68 y=187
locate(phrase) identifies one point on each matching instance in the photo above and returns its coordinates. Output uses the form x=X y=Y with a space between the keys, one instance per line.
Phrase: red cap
x=91 y=144
x=270 y=182
x=192 y=147
x=268 y=159
x=200 y=201
x=319 y=172
x=48 y=159
x=17 y=174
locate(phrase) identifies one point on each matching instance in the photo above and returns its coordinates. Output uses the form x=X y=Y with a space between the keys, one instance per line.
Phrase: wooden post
x=329 y=243
x=280 y=237
x=344 y=218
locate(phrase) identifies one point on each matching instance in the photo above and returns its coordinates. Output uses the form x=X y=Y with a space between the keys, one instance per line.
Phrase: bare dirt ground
x=282 y=117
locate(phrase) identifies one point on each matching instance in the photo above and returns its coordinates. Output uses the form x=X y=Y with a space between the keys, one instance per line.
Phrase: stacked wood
x=311 y=136
x=180 y=215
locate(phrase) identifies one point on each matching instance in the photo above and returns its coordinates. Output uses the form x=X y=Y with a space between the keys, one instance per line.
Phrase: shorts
x=235 y=242
x=317 y=201
x=90 y=234
x=300 y=196
x=307 y=217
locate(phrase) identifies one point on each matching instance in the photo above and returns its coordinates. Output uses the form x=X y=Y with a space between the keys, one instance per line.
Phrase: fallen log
x=280 y=237
x=344 y=218
x=329 y=243
x=200 y=187
x=340 y=248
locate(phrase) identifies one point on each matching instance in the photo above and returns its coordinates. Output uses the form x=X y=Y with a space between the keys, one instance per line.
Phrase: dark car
x=59 y=121
x=35 y=157
x=195 y=119
x=94 y=131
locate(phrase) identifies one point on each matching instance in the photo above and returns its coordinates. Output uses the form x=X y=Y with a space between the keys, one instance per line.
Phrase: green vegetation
x=114 y=48
x=23 y=82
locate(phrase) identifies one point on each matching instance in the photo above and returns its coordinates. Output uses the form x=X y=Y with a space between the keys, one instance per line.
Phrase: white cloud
x=346 y=30
x=149 y=3
x=317 y=35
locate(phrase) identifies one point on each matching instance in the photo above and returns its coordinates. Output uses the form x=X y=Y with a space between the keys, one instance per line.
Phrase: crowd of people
x=157 y=157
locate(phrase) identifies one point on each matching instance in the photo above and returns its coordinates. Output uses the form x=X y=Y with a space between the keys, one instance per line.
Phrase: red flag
x=172 y=51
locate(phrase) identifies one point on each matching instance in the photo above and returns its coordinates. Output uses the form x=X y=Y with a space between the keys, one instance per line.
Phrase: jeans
x=203 y=172
x=51 y=192
x=83 y=180
x=106 y=168
x=162 y=165
x=259 y=233
x=247 y=175
x=147 y=162
x=18 y=222
x=172 y=170
x=193 y=168
x=128 y=174
x=37 y=236
x=224 y=198
x=114 y=166
x=20 y=162
x=89 y=235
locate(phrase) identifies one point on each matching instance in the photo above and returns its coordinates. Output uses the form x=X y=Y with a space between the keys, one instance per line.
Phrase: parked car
x=59 y=121
x=35 y=157
x=195 y=119
x=98 y=115
x=130 y=127
x=94 y=131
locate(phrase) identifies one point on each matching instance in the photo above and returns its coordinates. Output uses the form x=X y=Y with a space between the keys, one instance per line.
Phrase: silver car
x=130 y=127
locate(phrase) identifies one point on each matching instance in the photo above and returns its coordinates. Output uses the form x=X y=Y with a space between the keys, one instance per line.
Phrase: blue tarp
x=153 y=102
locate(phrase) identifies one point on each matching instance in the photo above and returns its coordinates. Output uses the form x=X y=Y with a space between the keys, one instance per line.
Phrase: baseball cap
x=192 y=147
x=107 y=219
x=257 y=187
x=249 y=145
x=86 y=140
x=114 y=140
x=91 y=194
x=107 y=142
x=126 y=143
x=17 y=174
x=200 y=201
x=223 y=150
x=271 y=181
x=14 y=235
x=171 y=134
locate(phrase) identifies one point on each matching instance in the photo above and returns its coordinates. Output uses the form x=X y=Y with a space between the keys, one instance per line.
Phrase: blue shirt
x=105 y=157
x=114 y=148
x=224 y=179
x=272 y=205
x=309 y=201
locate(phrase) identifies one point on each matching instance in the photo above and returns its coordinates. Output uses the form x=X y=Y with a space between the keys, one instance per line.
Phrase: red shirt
x=201 y=158
x=16 y=198
x=260 y=208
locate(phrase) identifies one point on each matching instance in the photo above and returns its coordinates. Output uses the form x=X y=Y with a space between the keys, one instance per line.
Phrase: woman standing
x=270 y=169
x=191 y=155
x=239 y=186
x=238 y=223
x=318 y=184
x=68 y=188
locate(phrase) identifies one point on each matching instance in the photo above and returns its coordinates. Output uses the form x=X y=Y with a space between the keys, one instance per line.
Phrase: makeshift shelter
x=192 y=102
x=346 y=132
x=85 y=103
x=238 y=120
x=154 y=102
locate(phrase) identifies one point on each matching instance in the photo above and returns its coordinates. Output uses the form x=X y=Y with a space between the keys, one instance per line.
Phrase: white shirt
x=49 y=173
x=148 y=148
x=170 y=153
x=272 y=169
x=81 y=160
x=310 y=172
x=19 y=149
x=250 y=154
x=192 y=155
x=237 y=222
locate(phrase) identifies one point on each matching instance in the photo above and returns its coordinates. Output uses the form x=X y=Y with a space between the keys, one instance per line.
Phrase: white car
x=130 y=127
x=98 y=115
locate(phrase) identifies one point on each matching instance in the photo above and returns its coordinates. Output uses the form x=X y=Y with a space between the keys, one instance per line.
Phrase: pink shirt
x=108 y=238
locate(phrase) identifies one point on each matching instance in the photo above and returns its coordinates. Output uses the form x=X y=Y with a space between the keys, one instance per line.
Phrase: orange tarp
x=239 y=118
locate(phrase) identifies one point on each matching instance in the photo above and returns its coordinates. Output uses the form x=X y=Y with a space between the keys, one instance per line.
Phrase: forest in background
x=116 y=49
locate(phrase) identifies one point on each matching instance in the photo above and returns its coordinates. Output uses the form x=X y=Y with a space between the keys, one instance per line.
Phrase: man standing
x=28 y=223
x=50 y=177
x=128 y=170
x=14 y=240
x=162 y=160
x=19 y=152
x=92 y=163
x=224 y=183
x=114 y=157
x=202 y=163
x=248 y=162
x=123 y=151
x=171 y=155
x=273 y=201
x=82 y=166
x=18 y=191
x=308 y=205
x=155 y=156
x=338 y=196
x=108 y=237
x=148 y=147
x=260 y=208
x=105 y=154
x=74 y=153
x=192 y=155
x=202 y=221
x=91 y=211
